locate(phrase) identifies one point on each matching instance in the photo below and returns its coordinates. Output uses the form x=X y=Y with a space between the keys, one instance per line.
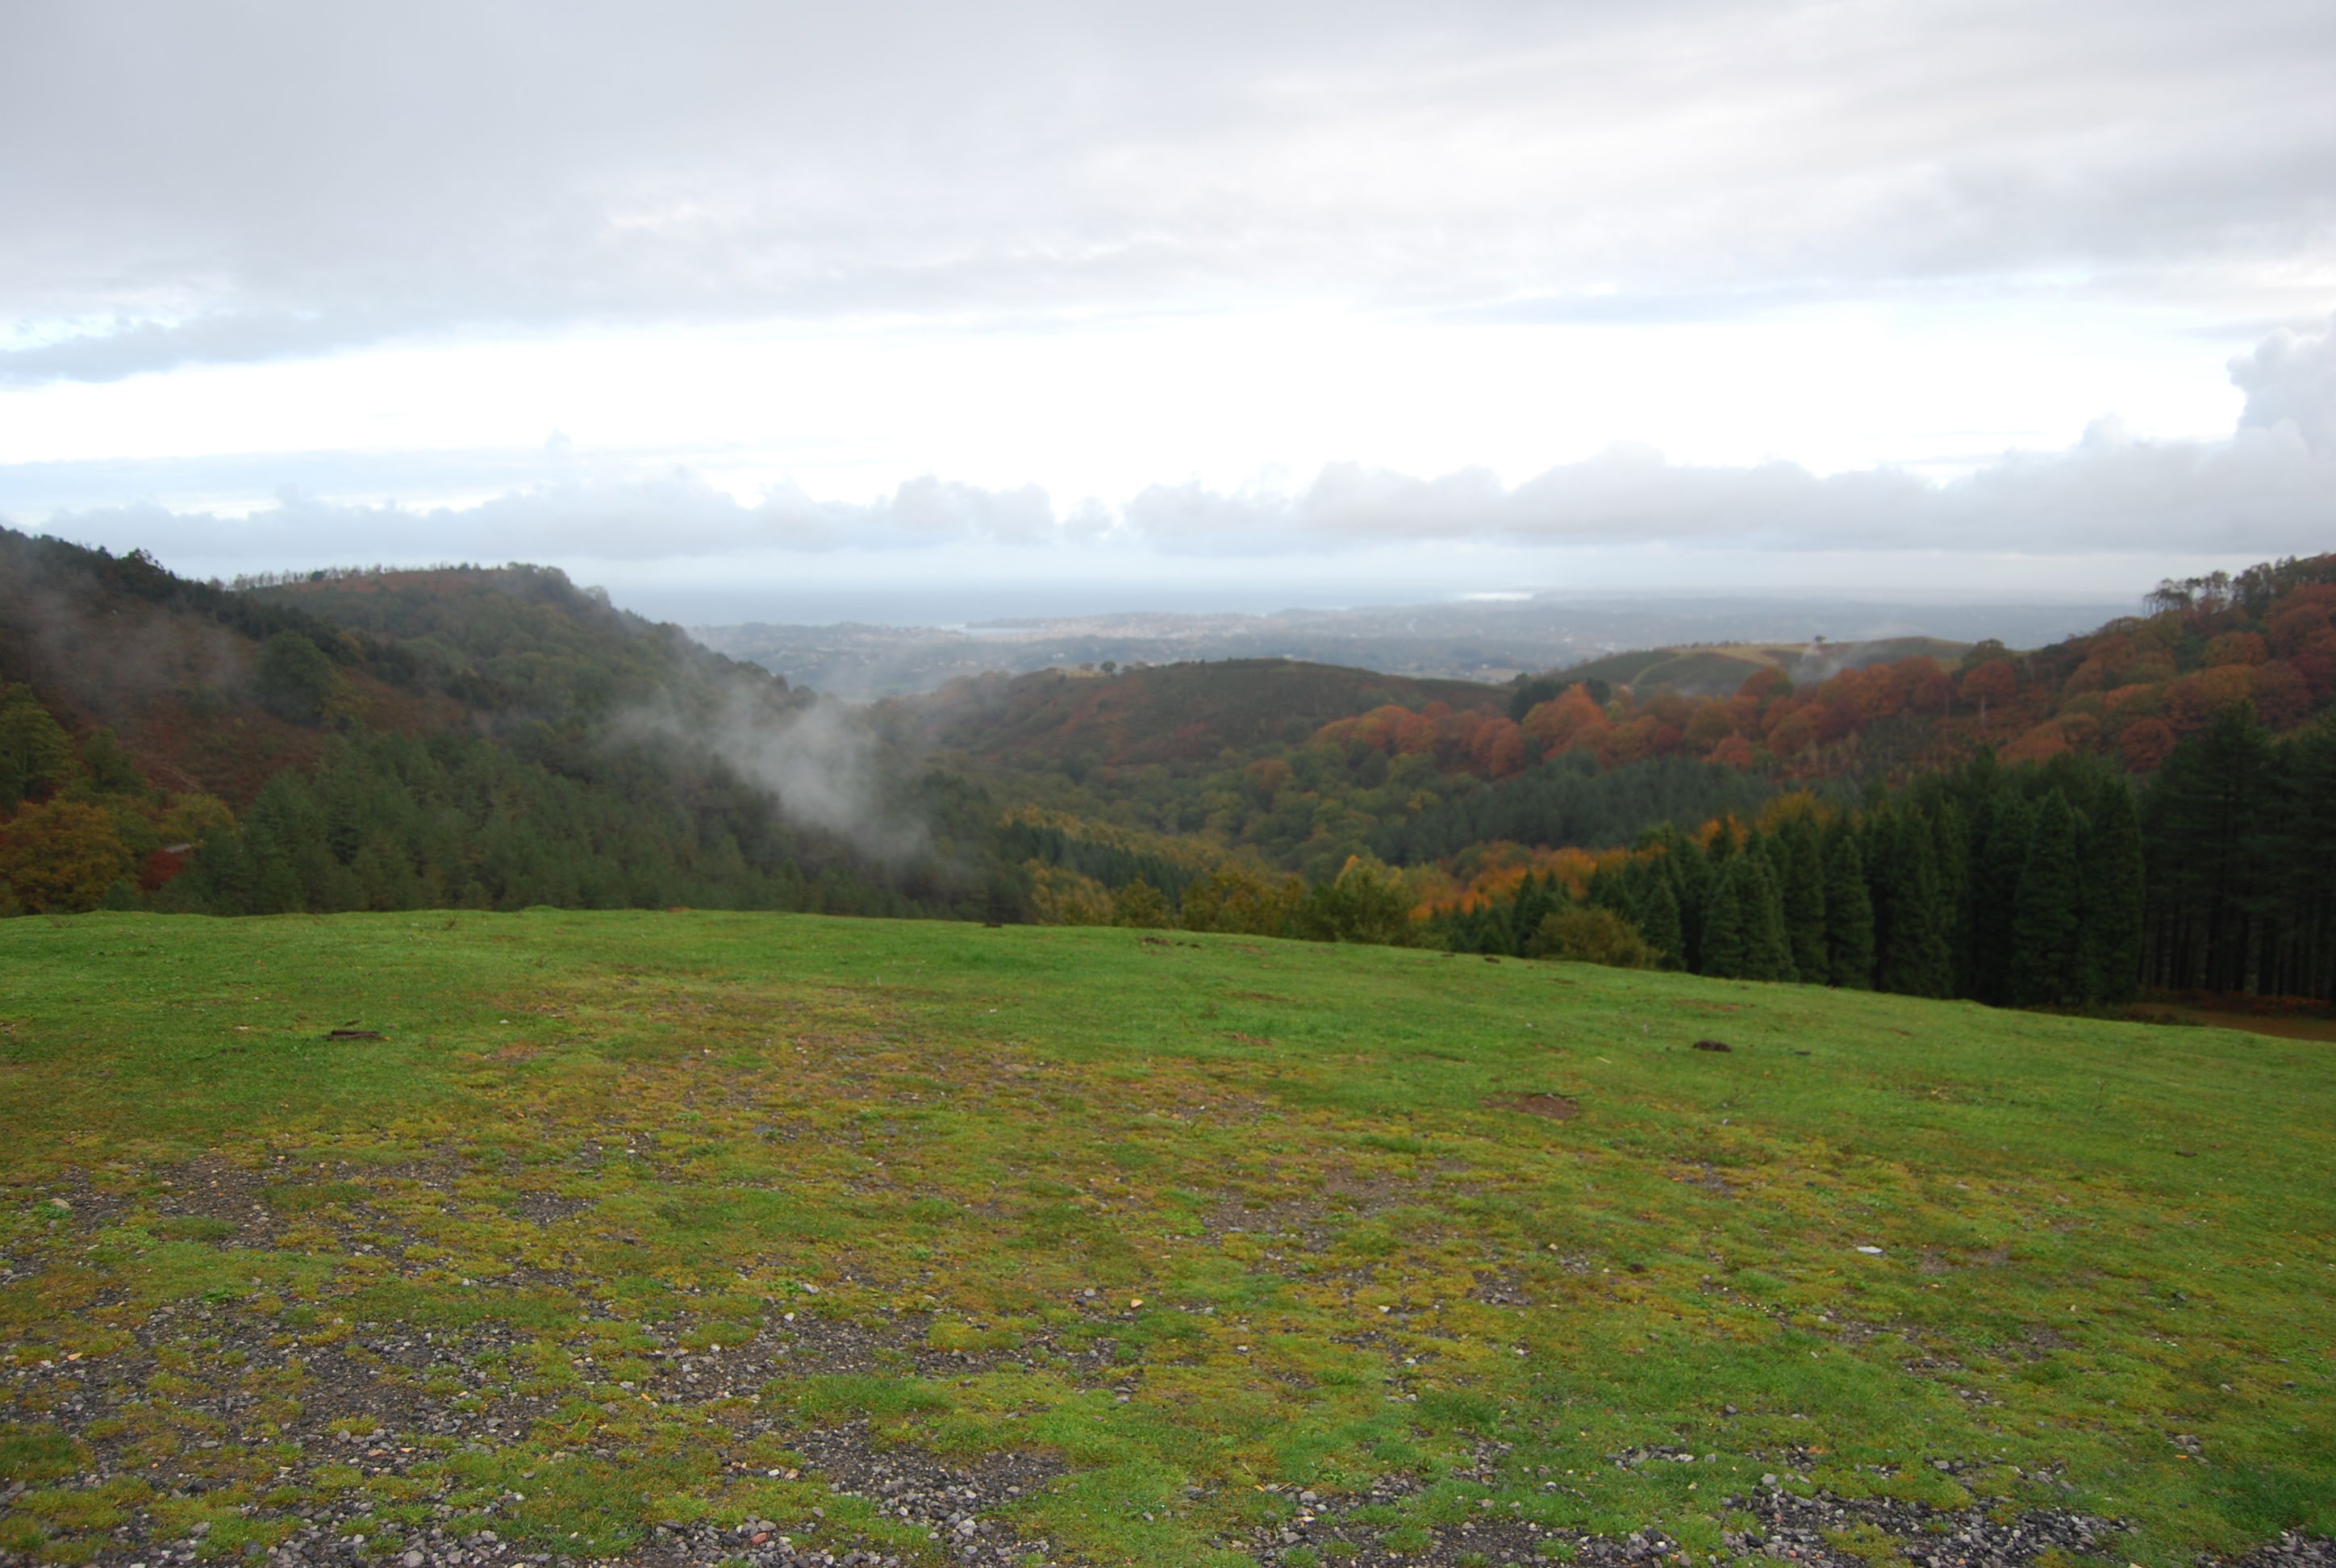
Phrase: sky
x=747 y=309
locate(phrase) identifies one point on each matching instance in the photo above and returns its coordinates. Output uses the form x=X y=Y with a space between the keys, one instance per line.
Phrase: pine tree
x=1538 y=898
x=1915 y=959
x=1723 y=928
x=1849 y=913
x=1994 y=891
x=2113 y=897
x=1659 y=917
x=1951 y=861
x=1767 y=949
x=2046 y=917
x=1805 y=899
x=2213 y=832
x=1693 y=886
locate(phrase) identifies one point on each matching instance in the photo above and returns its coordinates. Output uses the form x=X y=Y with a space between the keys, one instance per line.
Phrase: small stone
x=412 y=1560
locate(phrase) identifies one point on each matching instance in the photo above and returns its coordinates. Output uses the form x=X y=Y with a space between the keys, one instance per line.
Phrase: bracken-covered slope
x=171 y=667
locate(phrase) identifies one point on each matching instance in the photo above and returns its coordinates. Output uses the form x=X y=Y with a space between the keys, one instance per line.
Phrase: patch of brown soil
x=2278 y=1026
x=1556 y=1107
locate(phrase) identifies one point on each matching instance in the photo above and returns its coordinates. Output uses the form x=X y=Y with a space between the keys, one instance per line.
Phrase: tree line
x=2019 y=886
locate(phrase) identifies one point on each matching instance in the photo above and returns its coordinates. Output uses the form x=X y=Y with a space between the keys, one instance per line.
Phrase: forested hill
x=498 y=737
x=218 y=690
x=484 y=737
x=1165 y=714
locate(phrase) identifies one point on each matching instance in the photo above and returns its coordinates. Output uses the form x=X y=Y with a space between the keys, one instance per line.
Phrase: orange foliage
x=2237 y=647
x=1794 y=735
x=2282 y=696
x=1565 y=720
x=1501 y=867
x=62 y=856
x=1710 y=725
x=2037 y=744
x=2302 y=628
x=1498 y=749
x=2146 y=743
x=2193 y=701
x=1994 y=682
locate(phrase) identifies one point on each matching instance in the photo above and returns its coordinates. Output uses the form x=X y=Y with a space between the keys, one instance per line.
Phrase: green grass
x=615 y=1138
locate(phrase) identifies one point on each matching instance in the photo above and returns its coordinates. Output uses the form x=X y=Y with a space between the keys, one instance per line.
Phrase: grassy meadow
x=631 y=1225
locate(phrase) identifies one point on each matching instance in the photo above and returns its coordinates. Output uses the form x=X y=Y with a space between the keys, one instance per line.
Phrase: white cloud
x=2269 y=489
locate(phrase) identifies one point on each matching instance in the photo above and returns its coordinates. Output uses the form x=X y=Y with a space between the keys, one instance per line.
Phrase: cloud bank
x=2269 y=489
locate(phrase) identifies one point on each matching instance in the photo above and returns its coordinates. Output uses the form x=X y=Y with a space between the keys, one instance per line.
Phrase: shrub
x=1589 y=935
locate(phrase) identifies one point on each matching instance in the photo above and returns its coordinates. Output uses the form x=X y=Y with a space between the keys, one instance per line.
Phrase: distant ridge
x=1167 y=713
x=1718 y=670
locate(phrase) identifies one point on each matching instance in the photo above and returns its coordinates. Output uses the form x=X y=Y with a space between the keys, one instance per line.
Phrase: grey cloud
x=2290 y=378
x=613 y=520
x=109 y=353
x=278 y=178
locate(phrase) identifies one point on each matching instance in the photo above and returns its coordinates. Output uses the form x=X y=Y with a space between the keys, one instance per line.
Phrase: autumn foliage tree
x=62 y=856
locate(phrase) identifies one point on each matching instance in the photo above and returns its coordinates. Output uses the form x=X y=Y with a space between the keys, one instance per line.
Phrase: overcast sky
x=1386 y=299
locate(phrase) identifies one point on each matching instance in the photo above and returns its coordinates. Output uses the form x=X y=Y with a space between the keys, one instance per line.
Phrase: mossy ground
x=1184 y=1225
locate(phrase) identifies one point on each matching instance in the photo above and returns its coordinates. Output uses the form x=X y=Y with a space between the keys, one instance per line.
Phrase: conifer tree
x=1723 y=928
x=1768 y=950
x=1538 y=898
x=1689 y=873
x=1915 y=960
x=1804 y=901
x=1849 y=913
x=2046 y=955
x=2111 y=935
x=1659 y=918
x=2001 y=853
x=1950 y=862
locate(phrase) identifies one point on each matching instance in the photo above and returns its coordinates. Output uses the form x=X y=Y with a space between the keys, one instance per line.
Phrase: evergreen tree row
x=2016 y=887
x=2241 y=830
x=1569 y=800
x=391 y=822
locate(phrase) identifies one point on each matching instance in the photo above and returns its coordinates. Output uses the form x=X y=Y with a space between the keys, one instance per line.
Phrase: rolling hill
x=1718 y=670
x=670 y=1237
x=1177 y=713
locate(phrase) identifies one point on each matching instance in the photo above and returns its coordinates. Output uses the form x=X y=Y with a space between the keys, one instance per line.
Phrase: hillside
x=171 y=667
x=479 y=738
x=1177 y=713
x=2130 y=690
x=681 y=1237
x=1708 y=670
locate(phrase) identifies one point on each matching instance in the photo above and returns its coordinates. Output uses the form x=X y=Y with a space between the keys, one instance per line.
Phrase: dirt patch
x=1555 y=1107
x=2297 y=1025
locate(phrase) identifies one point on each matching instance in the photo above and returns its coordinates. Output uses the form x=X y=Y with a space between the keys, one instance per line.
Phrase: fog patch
x=815 y=756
